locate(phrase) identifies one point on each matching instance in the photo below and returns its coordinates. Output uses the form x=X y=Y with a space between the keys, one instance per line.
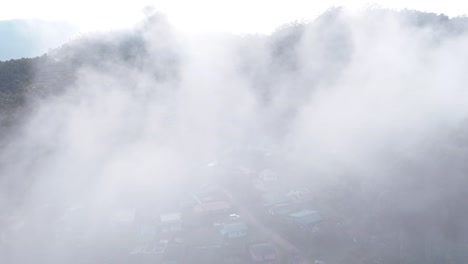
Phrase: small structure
x=212 y=201
x=262 y=253
x=283 y=209
x=273 y=198
x=305 y=219
x=234 y=216
x=234 y=230
x=212 y=207
x=300 y=195
x=171 y=222
x=265 y=180
x=153 y=248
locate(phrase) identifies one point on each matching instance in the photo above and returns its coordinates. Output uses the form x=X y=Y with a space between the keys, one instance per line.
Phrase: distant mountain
x=30 y=38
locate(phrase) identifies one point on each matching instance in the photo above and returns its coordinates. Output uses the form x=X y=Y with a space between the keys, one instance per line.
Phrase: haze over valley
x=342 y=139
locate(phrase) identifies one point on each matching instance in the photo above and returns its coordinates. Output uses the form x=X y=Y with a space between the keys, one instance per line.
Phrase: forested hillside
x=54 y=69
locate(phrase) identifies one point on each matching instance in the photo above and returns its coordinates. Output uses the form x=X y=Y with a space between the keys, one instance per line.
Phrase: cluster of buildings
x=209 y=224
x=214 y=226
x=207 y=228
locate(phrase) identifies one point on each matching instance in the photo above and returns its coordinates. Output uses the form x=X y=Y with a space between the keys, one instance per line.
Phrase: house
x=170 y=222
x=283 y=209
x=299 y=195
x=234 y=230
x=265 y=180
x=149 y=252
x=305 y=219
x=262 y=253
x=273 y=198
x=212 y=207
x=211 y=201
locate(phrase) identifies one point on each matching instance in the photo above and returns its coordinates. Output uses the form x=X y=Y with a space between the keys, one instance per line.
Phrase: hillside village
x=256 y=207
x=209 y=224
x=256 y=217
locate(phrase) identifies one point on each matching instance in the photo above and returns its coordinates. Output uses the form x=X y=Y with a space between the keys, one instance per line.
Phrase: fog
x=367 y=110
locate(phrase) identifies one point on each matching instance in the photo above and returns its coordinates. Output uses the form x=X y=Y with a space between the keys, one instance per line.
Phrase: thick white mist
x=347 y=101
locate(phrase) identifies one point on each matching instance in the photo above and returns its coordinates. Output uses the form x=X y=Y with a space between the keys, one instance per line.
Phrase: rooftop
x=306 y=217
x=170 y=217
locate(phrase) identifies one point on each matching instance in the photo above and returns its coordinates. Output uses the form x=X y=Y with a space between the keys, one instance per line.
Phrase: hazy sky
x=203 y=15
